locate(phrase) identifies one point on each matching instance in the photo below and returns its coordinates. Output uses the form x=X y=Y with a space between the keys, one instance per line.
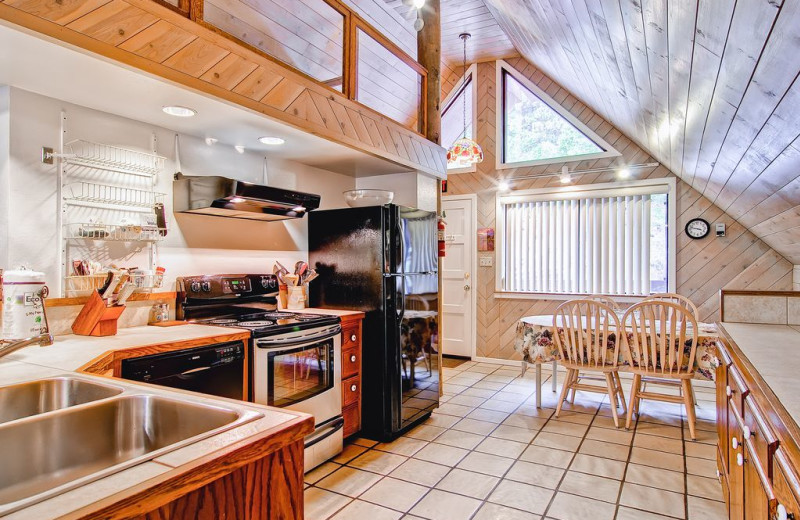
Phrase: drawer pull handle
x=739 y=459
x=353 y=388
x=353 y=337
x=352 y=358
x=735 y=444
x=728 y=391
x=747 y=433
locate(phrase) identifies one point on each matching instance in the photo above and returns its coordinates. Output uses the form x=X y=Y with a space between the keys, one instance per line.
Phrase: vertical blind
x=588 y=245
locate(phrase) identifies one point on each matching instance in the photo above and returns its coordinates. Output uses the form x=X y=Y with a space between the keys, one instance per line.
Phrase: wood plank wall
x=740 y=260
x=152 y=38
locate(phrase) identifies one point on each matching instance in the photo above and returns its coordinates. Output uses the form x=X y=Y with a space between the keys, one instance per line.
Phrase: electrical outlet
x=486 y=261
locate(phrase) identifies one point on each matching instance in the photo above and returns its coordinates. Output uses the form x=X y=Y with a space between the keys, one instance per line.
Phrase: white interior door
x=458 y=273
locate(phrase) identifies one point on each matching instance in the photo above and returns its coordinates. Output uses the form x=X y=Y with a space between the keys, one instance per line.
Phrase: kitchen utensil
x=103 y=288
x=292 y=280
x=311 y=275
x=125 y=291
x=283 y=269
x=114 y=282
x=161 y=218
x=300 y=268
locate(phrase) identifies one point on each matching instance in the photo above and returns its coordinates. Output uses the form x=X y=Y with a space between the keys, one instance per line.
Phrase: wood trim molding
x=139 y=297
x=163 y=42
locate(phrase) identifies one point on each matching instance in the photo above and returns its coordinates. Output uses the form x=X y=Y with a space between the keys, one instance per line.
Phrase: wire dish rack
x=76 y=286
x=112 y=158
x=114 y=233
x=105 y=194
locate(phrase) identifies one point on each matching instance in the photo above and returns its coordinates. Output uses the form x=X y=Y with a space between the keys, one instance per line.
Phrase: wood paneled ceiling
x=489 y=40
x=708 y=87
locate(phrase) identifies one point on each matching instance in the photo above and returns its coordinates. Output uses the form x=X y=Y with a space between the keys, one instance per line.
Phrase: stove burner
x=254 y=324
x=278 y=315
x=220 y=322
x=306 y=317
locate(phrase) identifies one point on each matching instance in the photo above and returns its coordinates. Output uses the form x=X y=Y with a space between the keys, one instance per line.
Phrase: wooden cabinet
x=758 y=452
x=351 y=375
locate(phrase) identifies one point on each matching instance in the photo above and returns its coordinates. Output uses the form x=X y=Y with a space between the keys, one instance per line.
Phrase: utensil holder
x=96 y=319
x=297 y=298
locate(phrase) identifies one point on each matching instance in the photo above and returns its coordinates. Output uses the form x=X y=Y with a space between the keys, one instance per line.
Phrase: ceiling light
x=418 y=3
x=624 y=173
x=239 y=148
x=178 y=111
x=464 y=152
x=503 y=186
x=272 y=141
x=210 y=141
x=565 y=177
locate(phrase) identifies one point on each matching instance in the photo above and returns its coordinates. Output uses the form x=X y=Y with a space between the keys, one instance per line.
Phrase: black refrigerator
x=382 y=260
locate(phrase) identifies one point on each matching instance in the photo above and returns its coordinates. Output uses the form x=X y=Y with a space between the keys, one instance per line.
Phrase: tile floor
x=489 y=454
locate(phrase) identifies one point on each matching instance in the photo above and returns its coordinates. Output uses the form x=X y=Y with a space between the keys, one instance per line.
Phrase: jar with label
x=159 y=313
x=23 y=304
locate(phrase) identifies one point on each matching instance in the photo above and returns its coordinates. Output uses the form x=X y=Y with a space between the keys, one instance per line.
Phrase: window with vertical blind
x=595 y=239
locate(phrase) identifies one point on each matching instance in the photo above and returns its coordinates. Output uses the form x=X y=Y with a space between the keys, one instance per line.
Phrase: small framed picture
x=486 y=239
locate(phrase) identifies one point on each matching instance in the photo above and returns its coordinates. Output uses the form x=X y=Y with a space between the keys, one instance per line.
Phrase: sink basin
x=48 y=454
x=46 y=395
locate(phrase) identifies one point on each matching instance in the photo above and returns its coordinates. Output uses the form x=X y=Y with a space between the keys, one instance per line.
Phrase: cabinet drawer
x=351 y=336
x=352 y=420
x=351 y=362
x=786 y=487
x=758 y=434
x=736 y=390
x=351 y=391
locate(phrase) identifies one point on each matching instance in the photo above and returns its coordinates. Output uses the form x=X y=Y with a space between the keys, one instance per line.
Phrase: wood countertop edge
x=99 y=365
x=155 y=492
x=785 y=428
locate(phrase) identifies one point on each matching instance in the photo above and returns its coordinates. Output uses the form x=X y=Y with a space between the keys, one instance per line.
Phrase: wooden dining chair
x=661 y=344
x=605 y=300
x=675 y=298
x=585 y=333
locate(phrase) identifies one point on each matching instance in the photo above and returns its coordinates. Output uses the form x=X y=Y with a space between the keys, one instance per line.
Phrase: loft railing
x=327 y=42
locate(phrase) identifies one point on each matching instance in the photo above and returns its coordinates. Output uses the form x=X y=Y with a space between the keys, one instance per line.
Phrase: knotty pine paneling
x=150 y=37
x=740 y=260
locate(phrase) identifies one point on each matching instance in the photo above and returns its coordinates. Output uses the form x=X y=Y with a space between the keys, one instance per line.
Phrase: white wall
x=196 y=244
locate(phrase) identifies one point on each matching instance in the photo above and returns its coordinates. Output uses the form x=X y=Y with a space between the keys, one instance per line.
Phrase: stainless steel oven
x=301 y=370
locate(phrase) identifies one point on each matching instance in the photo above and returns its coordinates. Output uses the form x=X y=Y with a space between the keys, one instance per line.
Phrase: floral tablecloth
x=535 y=342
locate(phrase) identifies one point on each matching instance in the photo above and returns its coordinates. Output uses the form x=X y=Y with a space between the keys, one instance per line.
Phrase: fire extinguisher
x=440 y=227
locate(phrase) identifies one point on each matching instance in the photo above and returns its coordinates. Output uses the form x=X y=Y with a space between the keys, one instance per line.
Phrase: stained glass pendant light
x=464 y=152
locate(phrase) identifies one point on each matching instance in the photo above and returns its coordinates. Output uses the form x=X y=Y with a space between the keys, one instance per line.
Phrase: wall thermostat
x=720 y=229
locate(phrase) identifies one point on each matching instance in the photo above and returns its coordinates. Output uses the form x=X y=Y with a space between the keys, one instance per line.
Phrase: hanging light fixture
x=464 y=151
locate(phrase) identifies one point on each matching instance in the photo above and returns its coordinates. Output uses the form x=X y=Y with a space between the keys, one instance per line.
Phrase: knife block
x=95 y=319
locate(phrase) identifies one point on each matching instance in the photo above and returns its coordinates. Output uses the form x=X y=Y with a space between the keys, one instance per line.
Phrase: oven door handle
x=324 y=430
x=298 y=340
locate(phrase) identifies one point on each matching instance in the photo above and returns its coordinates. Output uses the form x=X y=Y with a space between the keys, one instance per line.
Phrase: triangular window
x=461 y=99
x=537 y=130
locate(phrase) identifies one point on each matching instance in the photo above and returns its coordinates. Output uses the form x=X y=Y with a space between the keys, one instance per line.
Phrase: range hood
x=223 y=197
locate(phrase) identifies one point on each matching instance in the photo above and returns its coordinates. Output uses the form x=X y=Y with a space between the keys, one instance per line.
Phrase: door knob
x=467 y=287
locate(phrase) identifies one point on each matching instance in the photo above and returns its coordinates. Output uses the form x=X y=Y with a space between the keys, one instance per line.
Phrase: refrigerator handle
x=403 y=298
x=401 y=267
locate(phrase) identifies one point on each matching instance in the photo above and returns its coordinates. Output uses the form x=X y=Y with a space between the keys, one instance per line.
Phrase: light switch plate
x=720 y=229
x=486 y=261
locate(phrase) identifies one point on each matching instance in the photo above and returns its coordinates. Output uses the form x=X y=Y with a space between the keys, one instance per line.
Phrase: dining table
x=534 y=342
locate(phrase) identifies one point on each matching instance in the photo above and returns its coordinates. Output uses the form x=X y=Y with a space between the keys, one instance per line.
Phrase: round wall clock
x=697 y=228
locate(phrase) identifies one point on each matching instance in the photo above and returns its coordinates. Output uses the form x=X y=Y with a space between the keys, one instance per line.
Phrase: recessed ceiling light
x=624 y=173
x=272 y=141
x=178 y=111
x=565 y=177
x=210 y=141
x=503 y=186
x=239 y=148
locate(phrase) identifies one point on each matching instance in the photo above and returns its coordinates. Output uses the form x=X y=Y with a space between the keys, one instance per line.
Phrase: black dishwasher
x=213 y=369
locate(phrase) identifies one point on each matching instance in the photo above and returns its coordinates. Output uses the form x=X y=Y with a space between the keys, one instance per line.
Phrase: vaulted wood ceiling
x=708 y=87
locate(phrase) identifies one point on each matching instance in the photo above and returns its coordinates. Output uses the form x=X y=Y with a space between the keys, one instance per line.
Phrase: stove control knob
x=265 y=282
x=206 y=286
x=195 y=287
x=273 y=283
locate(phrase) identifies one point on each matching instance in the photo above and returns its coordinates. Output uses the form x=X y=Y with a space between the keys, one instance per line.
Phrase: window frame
x=503 y=68
x=599 y=190
x=447 y=103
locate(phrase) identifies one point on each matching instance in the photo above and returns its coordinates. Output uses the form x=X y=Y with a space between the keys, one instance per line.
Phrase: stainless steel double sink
x=60 y=433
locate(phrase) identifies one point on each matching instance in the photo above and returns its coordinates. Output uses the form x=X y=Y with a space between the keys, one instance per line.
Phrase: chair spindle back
x=658 y=340
x=587 y=327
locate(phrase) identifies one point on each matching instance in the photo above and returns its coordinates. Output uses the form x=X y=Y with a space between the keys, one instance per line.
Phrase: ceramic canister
x=23 y=306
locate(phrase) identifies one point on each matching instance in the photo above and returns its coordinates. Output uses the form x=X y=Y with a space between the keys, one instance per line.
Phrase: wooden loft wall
x=740 y=260
x=162 y=41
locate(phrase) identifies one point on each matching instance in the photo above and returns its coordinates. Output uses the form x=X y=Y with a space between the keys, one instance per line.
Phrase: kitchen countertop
x=766 y=348
x=331 y=312
x=70 y=352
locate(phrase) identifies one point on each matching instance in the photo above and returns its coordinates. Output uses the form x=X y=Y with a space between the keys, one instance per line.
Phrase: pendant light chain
x=464 y=151
x=464 y=38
